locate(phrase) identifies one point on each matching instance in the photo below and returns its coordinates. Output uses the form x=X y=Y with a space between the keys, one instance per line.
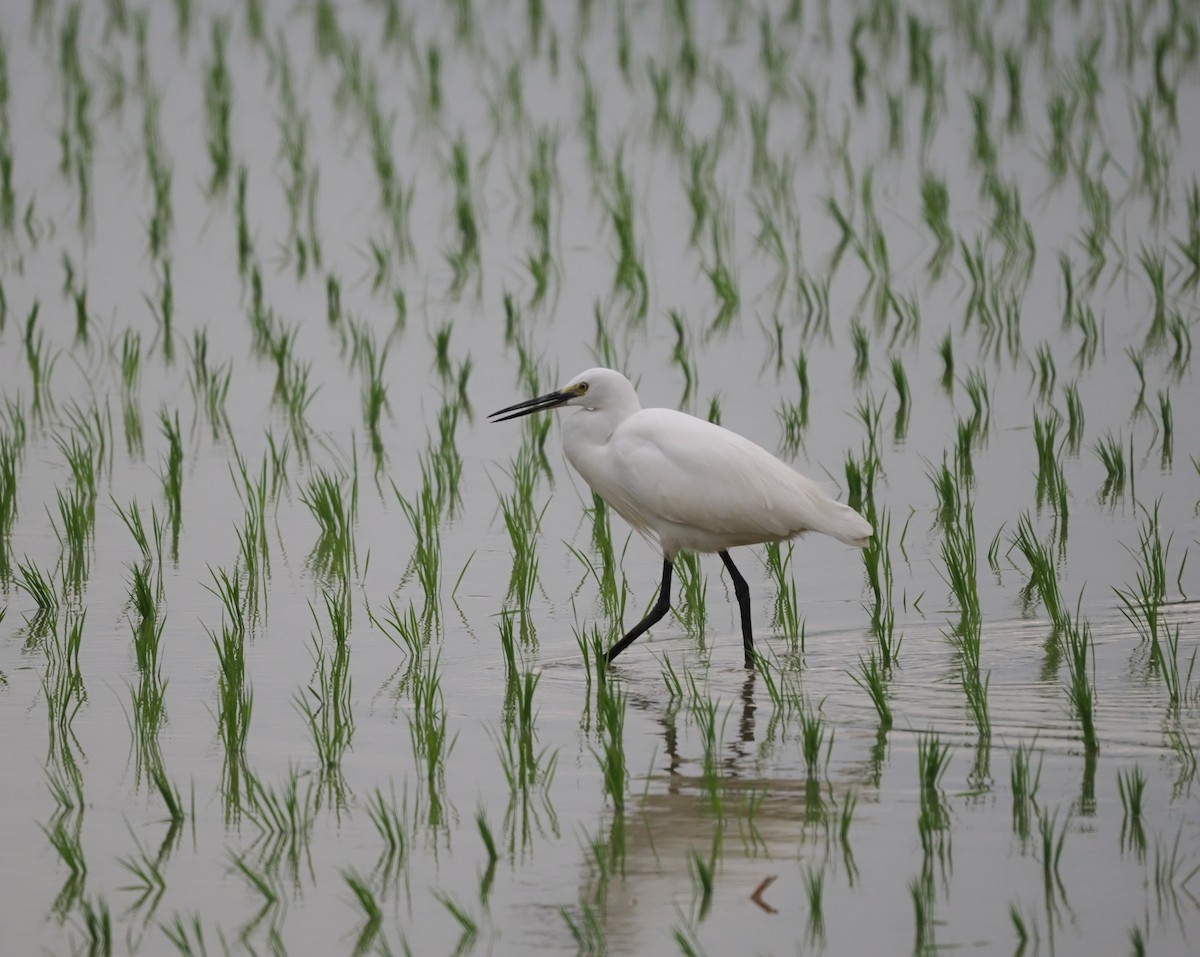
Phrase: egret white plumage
x=685 y=483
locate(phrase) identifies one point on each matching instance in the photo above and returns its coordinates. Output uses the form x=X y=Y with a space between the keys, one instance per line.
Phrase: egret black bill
x=529 y=406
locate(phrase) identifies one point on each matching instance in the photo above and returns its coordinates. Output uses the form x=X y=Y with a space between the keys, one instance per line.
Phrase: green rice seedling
x=975 y=683
x=1044 y=372
x=523 y=528
x=333 y=502
x=389 y=819
x=1141 y=604
x=464 y=257
x=960 y=556
x=149 y=884
x=681 y=355
x=76 y=512
x=40 y=587
x=1025 y=928
x=1043 y=572
x=1131 y=787
x=1111 y=453
x=1081 y=681
x=935 y=205
x=368 y=905
x=523 y=765
x=921 y=891
x=172 y=474
x=1166 y=429
x=877 y=562
x=1189 y=247
x=469 y=929
x=785 y=617
x=143 y=600
x=267 y=890
x=163 y=311
x=946 y=353
x=701 y=186
x=41 y=364
x=64 y=832
x=327 y=708
x=1139 y=367
x=245 y=241
x=862 y=359
x=691 y=610
x=587 y=927
x=933 y=758
x=284 y=820
x=62 y=683
x=423 y=518
x=148 y=704
x=812 y=736
x=218 y=109
x=873 y=678
x=704 y=712
x=812 y=301
x=933 y=818
x=1180 y=335
x=703 y=873
x=611 y=714
x=904 y=398
x=1074 y=417
x=1154 y=263
x=431 y=741
x=1169 y=878
x=814 y=895
x=1051 y=844
x=97 y=926
x=1178 y=683
x=1051 y=482
x=11 y=447
x=235 y=697
x=721 y=274
x=629 y=277
x=209 y=384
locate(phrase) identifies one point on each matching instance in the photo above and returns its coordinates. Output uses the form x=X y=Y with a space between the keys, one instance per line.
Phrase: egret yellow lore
x=685 y=483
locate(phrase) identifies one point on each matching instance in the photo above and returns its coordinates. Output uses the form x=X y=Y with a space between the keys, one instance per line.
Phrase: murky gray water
x=717 y=776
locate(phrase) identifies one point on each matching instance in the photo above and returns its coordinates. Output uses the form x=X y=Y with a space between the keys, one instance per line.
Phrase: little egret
x=685 y=483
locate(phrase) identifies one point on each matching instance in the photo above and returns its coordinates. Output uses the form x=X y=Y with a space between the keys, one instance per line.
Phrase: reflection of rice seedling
x=333 y=502
x=327 y=707
x=903 y=408
x=1077 y=635
x=872 y=677
x=703 y=872
x=1024 y=780
x=369 y=907
x=1112 y=454
x=610 y=707
x=812 y=736
x=1043 y=571
x=218 y=109
x=1131 y=787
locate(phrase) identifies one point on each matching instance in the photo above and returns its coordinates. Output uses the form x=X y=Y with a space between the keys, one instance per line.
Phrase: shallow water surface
x=297 y=651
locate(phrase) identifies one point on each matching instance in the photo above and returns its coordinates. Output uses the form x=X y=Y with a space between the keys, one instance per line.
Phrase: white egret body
x=685 y=483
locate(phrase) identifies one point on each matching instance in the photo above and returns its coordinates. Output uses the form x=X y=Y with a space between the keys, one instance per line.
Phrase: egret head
x=594 y=389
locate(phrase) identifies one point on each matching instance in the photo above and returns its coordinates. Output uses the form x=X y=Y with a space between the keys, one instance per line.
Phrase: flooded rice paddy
x=299 y=654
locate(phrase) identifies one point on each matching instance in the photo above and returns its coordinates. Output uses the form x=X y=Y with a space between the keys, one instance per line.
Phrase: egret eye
x=581 y=388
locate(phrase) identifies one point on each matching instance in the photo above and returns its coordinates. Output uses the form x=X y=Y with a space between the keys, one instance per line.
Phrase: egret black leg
x=742 y=591
x=661 y=607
